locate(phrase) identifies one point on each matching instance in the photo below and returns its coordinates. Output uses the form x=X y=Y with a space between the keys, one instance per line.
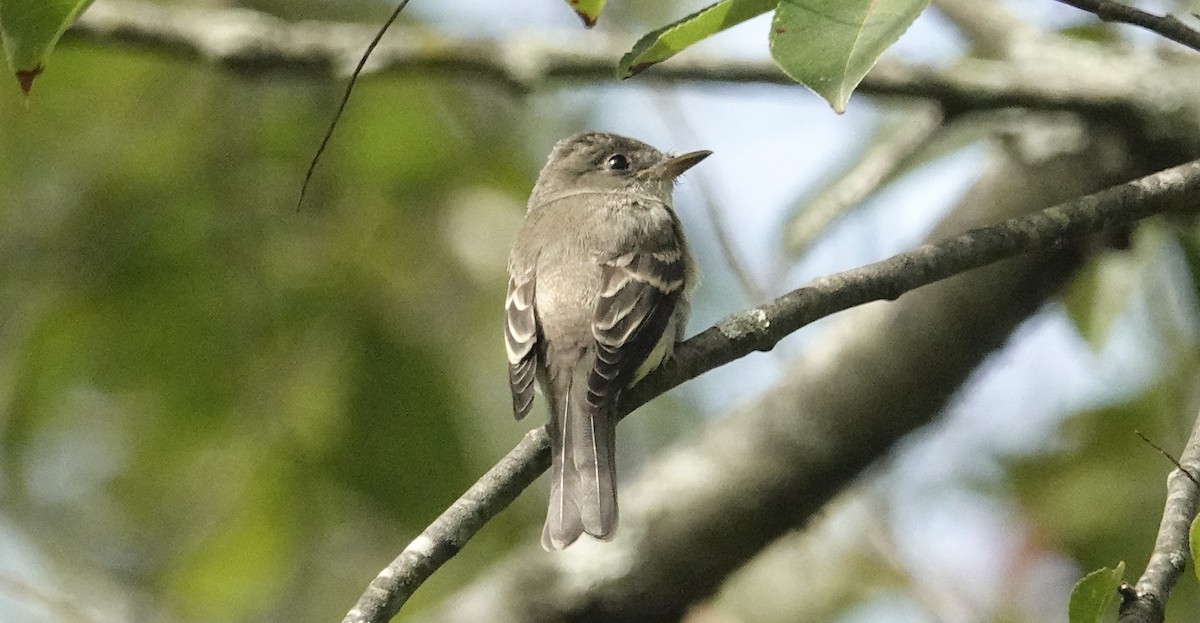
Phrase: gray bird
x=599 y=278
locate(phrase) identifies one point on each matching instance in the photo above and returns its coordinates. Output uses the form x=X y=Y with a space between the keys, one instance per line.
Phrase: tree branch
x=992 y=29
x=890 y=151
x=760 y=328
x=1169 y=560
x=1166 y=25
x=250 y=41
x=450 y=532
x=701 y=510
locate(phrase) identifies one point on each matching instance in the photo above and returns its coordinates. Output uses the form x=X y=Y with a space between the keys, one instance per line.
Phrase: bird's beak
x=675 y=166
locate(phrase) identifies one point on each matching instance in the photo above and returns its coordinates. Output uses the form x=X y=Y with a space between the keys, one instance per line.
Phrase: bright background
x=213 y=408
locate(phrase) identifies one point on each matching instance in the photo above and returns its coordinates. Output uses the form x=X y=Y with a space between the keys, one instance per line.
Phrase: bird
x=599 y=278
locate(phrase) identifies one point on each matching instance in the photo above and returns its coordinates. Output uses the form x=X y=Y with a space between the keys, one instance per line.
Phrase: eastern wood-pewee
x=599 y=277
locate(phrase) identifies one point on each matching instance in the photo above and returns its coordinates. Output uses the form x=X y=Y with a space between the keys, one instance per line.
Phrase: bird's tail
x=583 y=478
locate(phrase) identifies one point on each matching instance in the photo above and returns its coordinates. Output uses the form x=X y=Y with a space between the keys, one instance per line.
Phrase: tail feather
x=594 y=448
x=583 y=493
x=563 y=524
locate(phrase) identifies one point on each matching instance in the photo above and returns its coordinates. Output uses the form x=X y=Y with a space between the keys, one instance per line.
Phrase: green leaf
x=1094 y=598
x=661 y=44
x=1194 y=545
x=1092 y=32
x=587 y=10
x=30 y=28
x=829 y=45
x=1102 y=289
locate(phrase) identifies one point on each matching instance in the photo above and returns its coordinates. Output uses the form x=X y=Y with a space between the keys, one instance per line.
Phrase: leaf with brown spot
x=830 y=45
x=29 y=29
x=587 y=10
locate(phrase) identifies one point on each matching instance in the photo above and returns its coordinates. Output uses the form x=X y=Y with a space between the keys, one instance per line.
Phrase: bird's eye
x=617 y=162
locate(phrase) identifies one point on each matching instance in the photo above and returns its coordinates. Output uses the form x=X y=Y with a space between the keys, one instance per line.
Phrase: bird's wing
x=639 y=291
x=520 y=337
x=638 y=294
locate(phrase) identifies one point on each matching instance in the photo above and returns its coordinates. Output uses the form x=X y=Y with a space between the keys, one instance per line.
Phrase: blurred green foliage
x=1098 y=497
x=240 y=410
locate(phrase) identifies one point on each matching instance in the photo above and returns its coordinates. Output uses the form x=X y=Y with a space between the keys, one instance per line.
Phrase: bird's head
x=601 y=162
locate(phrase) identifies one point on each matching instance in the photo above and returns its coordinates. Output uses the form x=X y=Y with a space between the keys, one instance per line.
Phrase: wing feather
x=520 y=337
x=638 y=293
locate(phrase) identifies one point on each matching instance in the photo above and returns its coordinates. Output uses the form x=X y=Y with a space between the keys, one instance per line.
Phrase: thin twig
x=58 y=607
x=362 y=62
x=449 y=533
x=760 y=328
x=1166 y=25
x=1146 y=601
x=991 y=28
x=1174 y=461
x=890 y=151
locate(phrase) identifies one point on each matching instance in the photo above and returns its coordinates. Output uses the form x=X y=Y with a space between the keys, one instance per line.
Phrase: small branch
x=991 y=28
x=1174 y=461
x=312 y=165
x=450 y=532
x=1148 y=600
x=17 y=590
x=251 y=41
x=1165 y=25
x=889 y=152
x=760 y=328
